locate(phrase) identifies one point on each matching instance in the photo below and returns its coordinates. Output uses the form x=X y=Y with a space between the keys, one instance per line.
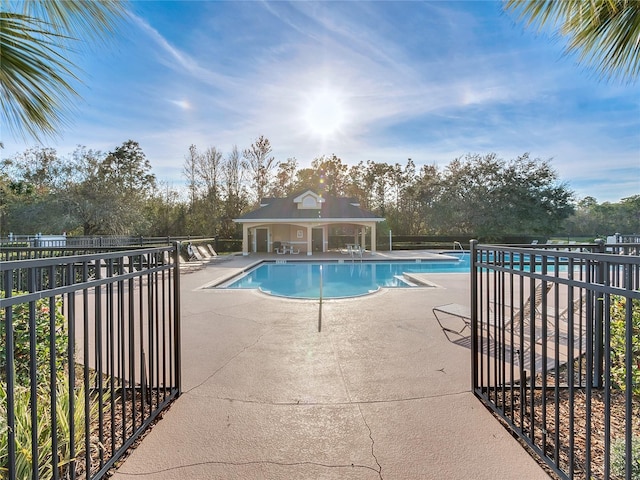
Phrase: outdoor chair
x=573 y=315
x=191 y=253
x=211 y=250
x=195 y=252
x=463 y=313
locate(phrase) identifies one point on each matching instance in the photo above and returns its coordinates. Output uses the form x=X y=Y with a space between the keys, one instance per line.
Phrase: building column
x=373 y=238
x=245 y=239
x=309 y=240
x=363 y=237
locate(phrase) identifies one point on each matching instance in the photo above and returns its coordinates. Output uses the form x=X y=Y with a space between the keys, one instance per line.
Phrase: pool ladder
x=458 y=244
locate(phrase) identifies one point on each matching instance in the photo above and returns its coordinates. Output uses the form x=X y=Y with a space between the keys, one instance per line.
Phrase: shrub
x=23 y=427
x=21 y=329
x=618 y=347
x=618 y=458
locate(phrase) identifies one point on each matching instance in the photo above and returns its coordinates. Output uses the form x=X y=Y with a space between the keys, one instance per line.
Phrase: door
x=261 y=240
x=317 y=239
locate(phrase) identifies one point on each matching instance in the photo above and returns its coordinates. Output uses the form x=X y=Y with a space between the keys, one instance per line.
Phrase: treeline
x=92 y=193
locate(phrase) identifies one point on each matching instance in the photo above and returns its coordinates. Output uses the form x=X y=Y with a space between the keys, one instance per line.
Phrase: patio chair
x=463 y=313
x=279 y=248
x=195 y=252
x=565 y=318
x=191 y=253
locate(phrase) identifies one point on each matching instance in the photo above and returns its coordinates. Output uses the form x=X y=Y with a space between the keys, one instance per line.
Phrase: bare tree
x=208 y=170
x=261 y=165
x=235 y=196
x=190 y=171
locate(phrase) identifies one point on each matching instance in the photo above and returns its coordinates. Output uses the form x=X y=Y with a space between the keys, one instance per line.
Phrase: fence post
x=176 y=315
x=9 y=373
x=474 y=314
x=598 y=341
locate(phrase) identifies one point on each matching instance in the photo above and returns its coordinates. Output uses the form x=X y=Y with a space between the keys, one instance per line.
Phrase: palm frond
x=36 y=73
x=33 y=76
x=605 y=34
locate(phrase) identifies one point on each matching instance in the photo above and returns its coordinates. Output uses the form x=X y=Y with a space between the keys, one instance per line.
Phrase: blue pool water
x=340 y=280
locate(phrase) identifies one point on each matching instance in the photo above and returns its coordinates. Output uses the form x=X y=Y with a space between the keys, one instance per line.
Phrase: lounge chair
x=195 y=252
x=575 y=309
x=191 y=253
x=454 y=310
x=462 y=312
x=211 y=250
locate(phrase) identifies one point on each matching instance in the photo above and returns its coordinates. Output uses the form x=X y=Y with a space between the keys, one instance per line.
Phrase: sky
x=380 y=80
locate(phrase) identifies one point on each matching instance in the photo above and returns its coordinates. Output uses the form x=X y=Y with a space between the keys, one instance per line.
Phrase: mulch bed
x=117 y=427
x=541 y=412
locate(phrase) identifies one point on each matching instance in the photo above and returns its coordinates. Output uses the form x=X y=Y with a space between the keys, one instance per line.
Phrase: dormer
x=309 y=201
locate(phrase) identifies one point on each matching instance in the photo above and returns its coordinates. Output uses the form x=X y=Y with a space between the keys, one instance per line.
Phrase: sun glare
x=325 y=113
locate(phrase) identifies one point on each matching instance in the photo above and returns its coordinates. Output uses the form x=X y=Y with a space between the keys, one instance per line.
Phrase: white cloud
x=431 y=81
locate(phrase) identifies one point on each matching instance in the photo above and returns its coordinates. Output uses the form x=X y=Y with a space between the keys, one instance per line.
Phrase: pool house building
x=301 y=223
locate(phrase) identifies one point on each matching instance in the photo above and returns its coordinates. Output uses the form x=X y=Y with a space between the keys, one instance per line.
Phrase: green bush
x=618 y=458
x=23 y=427
x=21 y=331
x=618 y=347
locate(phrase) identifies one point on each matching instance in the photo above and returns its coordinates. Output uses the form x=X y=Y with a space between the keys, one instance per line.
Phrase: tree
x=235 y=196
x=35 y=199
x=112 y=195
x=404 y=208
x=604 y=33
x=592 y=219
x=427 y=191
x=490 y=198
x=284 y=184
x=190 y=172
x=327 y=175
x=260 y=164
x=36 y=74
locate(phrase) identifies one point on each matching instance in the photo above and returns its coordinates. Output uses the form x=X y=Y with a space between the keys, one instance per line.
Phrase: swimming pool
x=340 y=280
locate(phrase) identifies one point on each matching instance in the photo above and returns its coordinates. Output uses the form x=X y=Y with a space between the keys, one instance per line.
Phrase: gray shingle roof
x=286 y=209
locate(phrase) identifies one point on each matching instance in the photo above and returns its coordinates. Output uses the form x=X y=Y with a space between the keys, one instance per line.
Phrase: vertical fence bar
x=71 y=363
x=33 y=403
x=628 y=396
x=176 y=317
x=475 y=380
x=53 y=382
x=9 y=369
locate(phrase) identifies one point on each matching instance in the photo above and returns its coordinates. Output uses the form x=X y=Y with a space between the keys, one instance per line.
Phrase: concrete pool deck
x=379 y=393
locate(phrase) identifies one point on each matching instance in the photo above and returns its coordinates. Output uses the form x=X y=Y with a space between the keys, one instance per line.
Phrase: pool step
x=402 y=278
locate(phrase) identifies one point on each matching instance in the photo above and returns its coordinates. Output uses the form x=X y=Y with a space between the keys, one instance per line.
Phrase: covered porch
x=304 y=238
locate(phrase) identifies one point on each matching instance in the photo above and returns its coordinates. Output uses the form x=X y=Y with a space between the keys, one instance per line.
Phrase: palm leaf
x=36 y=74
x=605 y=34
x=32 y=77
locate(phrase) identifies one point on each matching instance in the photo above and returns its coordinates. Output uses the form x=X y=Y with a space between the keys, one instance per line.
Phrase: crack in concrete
x=240 y=352
x=373 y=443
x=364 y=420
x=349 y=402
x=251 y=462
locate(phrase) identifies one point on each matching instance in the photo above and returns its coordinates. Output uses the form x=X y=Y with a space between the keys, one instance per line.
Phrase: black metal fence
x=556 y=352
x=89 y=241
x=89 y=356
